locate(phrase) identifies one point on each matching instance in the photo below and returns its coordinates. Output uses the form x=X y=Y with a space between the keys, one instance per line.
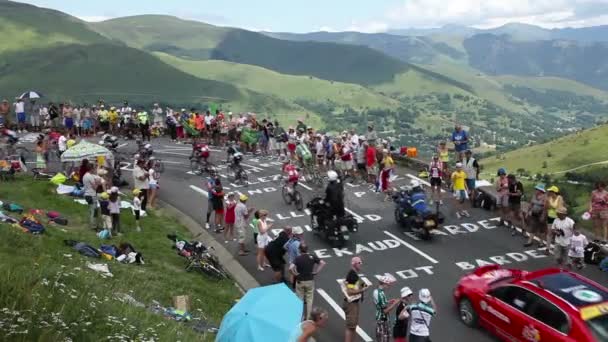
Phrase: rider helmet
x=332 y=176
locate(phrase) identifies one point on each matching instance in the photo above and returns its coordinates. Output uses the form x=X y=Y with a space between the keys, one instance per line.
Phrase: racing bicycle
x=202 y=166
x=291 y=194
x=239 y=174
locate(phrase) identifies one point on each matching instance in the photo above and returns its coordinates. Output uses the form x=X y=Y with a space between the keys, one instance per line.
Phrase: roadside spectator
x=598 y=208
x=370 y=161
x=554 y=202
x=114 y=207
x=460 y=138
x=460 y=190
x=171 y=122
x=229 y=218
x=218 y=204
x=304 y=268
x=383 y=307
x=20 y=115
x=275 y=253
x=5 y=110
x=157 y=114
x=137 y=208
x=306 y=330
x=471 y=168
x=435 y=171
x=502 y=195
x=263 y=239
x=242 y=214
x=292 y=246
x=401 y=315
x=90 y=183
x=420 y=315
x=354 y=288
x=371 y=136
x=35 y=116
x=536 y=223
x=562 y=229
x=210 y=185
x=444 y=156
x=576 y=252
x=141 y=181
x=516 y=191
x=152 y=183
x=40 y=161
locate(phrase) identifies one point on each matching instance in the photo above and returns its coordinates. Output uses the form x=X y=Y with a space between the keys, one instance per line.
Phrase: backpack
x=60 y=221
x=52 y=215
x=109 y=249
x=31 y=226
x=593 y=253
x=87 y=250
x=13 y=208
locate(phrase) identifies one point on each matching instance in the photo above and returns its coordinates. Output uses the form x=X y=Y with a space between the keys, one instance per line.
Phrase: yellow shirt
x=458 y=180
x=444 y=155
x=388 y=162
x=113 y=116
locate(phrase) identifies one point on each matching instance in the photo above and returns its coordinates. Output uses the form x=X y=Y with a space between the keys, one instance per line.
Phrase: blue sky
x=354 y=15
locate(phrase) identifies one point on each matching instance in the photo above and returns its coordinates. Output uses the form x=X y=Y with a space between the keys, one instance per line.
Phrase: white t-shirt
x=62 y=143
x=319 y=148
x=240 y=211
x=577 y=246
x=152 y=180
x=354 y=140
x=567 y=226
x=208 y=119
x=89 y=182
x=20 y=107
x=420 y=319
x=136 y=203
x=137 y=183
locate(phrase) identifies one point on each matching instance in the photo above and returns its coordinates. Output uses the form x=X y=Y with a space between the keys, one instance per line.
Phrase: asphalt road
x=460 y=245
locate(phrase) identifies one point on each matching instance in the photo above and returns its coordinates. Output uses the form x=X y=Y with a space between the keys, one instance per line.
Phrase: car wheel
x=467 y=313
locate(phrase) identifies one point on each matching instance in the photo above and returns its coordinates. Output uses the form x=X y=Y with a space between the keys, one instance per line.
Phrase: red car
x=547 y=305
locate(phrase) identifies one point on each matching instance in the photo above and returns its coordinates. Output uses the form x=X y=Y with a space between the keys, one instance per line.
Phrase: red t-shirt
x=370 y=156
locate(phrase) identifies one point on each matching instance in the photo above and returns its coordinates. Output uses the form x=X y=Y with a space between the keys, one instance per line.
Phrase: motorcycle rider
x=418 y=198
x=334 y=195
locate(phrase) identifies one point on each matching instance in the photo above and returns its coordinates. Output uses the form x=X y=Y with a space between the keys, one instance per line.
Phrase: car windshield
x=599 y=327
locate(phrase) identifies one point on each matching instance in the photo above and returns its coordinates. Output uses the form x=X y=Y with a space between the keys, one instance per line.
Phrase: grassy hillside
x=199 y=41
x=284 y=86
x=24 y=26
x=563 y=154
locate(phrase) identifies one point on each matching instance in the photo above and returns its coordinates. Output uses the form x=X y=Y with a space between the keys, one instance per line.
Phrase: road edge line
x=244 y=280
x=340 y=313
x=414 y=249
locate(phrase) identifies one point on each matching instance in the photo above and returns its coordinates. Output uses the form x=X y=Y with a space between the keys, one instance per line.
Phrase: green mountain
x=199 y=41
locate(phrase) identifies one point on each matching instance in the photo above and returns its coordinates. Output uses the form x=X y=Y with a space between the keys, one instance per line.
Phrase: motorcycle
x=420 y=222
x=110 y=142
x=145 y=150
x=335 y=229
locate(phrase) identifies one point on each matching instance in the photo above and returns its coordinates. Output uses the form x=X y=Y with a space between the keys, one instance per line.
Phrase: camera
x=559 y=232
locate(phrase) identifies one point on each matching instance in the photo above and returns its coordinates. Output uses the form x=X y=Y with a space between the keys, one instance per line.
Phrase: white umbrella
x=84 y=150
x=30 y=95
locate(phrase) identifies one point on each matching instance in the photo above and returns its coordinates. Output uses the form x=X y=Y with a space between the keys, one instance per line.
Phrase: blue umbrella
x=264 y=314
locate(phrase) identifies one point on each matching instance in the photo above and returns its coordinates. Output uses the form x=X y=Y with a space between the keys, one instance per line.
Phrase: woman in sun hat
x=598 y=208
x=554 y=201
x=383 y=307
x=535 y=216
x=401 y=315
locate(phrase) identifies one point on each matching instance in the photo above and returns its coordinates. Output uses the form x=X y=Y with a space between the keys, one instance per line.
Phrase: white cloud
x=368 y=26
x=93 y=18
x=327 y=29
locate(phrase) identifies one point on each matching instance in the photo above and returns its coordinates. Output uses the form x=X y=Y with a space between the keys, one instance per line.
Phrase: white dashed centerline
x=414 y=249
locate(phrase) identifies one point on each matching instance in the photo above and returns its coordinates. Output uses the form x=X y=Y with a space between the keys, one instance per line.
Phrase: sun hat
x=458 y=164
x=297 y=230
x=136 y=192
x=356 y=260
x=540 y=187
x=243 y=197
x=406 y=292
x=586 y=216
x=553 y=189
x=263 y=212
x=424 y=295
x=114 y=189
x=387 y=279
x=104 y=195
x=562 y=210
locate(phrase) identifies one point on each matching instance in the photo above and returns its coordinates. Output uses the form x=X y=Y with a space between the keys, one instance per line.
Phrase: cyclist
x=200 y=150
x=232 y=150
x=291 y=175
x=304 y=156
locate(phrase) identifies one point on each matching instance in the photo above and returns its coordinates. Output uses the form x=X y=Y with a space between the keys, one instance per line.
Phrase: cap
x=540 y=187
x=406 y=292
x=297 y=230
x=356 y=260
x=243 y=198
x=424 y=295
x=136 y=192
x=458 y=164
x=387 y=279
x=553 y=189
x=113 y=189
x=562 y=210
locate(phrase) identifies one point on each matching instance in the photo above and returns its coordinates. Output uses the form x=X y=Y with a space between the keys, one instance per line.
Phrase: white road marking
x=305 y=186
x=416 y=250
x=340 y=313
x=199 y=190
x=421 y=181
x=355 y=215
x=175 y=153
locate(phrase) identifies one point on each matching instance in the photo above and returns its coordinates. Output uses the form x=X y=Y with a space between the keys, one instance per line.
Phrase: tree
x=549 y=154
x=520 y=171
x=545 y=164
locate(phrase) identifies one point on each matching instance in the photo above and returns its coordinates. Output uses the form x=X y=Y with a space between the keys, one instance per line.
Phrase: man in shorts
x=435 y=174
x=242 y=213
x=355 y=288
x=516 y=191
x=20 y=114
x=459 y=186
x=562 y=228
x=471 y=168
x=502 y=195
x=275 y=253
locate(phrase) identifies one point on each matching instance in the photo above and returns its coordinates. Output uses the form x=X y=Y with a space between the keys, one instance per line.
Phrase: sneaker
x=528 y=244
x=440 y=202
x=138 y=229
x=207 y=226
x=466 y=213
x=260 y=268
x=431 y=202
x=458 y=215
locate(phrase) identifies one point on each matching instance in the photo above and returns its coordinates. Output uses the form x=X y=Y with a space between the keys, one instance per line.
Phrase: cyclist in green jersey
x=304 y=155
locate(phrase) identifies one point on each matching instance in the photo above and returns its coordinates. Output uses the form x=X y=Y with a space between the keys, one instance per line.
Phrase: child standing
x=137 y=207
x=114 y=207
x=576 y=252
x=105 y=211
x=254 y=227
x=460 y=189
x=230 y=218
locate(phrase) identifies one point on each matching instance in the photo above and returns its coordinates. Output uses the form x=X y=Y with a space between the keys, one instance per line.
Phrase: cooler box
x=403 y=151
x=412 y=152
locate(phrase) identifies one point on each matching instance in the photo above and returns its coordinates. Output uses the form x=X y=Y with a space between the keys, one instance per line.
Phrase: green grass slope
x=283 y=86
x=47 y=292
x=573 y=152
x=199 y=41
x=25 y=26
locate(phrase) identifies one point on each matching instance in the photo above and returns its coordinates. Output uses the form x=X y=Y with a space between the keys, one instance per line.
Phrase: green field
x=47 y=292
x=569 y=152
